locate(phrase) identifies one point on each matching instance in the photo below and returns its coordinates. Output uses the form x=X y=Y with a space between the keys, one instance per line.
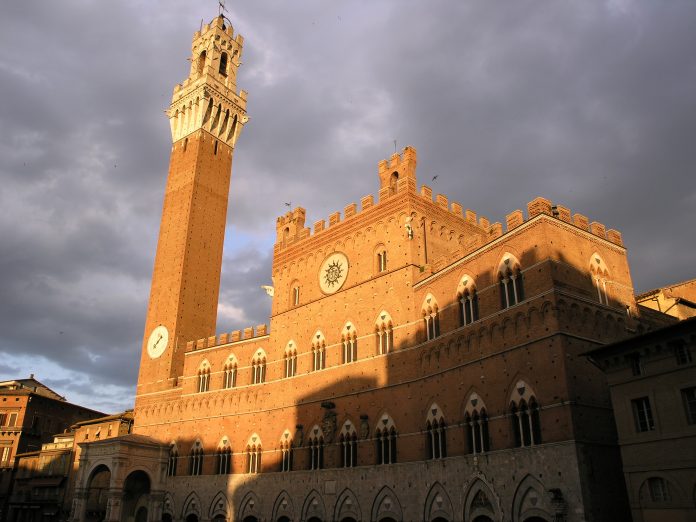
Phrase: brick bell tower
x=206 y=117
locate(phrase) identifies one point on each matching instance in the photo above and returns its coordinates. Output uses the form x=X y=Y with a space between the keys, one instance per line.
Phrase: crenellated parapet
x=544 y=206
x=235 y=336
x=207 y=99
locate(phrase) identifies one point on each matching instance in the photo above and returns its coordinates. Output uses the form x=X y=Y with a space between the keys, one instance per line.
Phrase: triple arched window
x=349 y=342
x=511 y=282
x=524 y=414
x=348 y=441
x=431 y=317
x=253 y=451
x=316 y=448
x=290 y=359
x=204 y=377
x=384 y=332
x=223 y=458
x=468 y=301
x=600 y=276
x=476 y=425
x=230 y=373
x=172 y=460
x=318 y=351
x=286 y=451
x=196 y=459
x=435 y=433
x=258 y=367
x=385 y=437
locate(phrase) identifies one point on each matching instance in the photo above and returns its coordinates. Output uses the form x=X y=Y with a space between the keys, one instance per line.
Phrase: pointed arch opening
x=431 y=317
x=348 y=442
x=349 y=342
x=510 y=281
x=435 y=433
x=384 y=332
x=318 y=351
x=467 y=299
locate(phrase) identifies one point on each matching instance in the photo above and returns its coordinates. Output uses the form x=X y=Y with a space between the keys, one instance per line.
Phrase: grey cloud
x=590 y=104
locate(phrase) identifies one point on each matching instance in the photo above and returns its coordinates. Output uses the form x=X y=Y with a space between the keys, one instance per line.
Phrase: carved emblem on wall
x=364 y=427
x=328 y=426
x=333 y=273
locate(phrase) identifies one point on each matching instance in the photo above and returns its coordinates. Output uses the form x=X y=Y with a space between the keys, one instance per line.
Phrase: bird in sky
x=287 y=204
x=436 y=176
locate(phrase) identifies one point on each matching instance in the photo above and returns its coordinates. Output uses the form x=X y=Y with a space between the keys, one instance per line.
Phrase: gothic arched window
x=230 y=373
x=468 y=301
x=318 y=351
x=435 y=433
x=196 y=459
x=172 y=460
x=223 y=458
x=253 y=451
x=290 y=359
x=258 y=367
x=204 y=377
x=511 y=281
x=524 y=415
x=600 y=276
x=316 y=448
x=385 y=436
x=476 y=425
x=286 y=451
x=348 y=441
x=384 y=333
x=431 y=317
x=349 y=342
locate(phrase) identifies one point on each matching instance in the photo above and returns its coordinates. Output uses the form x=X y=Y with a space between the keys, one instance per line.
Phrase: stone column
x=114 y=505
x=155 y=503
x=79 y=505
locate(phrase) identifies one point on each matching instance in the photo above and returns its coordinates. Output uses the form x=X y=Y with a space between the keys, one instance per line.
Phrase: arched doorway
x=483 y=518
x=348 y=519
x=283 y=519
x=314 y=519
x=250 y=518
x=192 y=518
x=534 y=519
x=387 y=519
x=440 y=519
x=97 y=494
x=136 y=491
x=166 y=517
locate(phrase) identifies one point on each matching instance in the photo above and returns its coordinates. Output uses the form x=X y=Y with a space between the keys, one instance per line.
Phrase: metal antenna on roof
x=221 y=7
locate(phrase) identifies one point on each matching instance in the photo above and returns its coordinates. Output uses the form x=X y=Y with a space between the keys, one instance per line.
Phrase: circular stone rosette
x=333 y=273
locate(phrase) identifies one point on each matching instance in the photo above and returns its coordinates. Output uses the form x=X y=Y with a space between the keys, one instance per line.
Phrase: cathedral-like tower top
x=208 y=98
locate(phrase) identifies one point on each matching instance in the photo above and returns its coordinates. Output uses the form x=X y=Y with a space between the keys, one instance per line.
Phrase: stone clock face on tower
x=333 y=273
x=157 y=342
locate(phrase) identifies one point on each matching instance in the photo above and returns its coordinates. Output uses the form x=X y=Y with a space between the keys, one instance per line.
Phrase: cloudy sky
x=591 y=104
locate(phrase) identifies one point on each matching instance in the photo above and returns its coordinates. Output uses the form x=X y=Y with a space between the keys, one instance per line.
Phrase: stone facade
x=30 y=415
x=421 y=363
x=652 y=379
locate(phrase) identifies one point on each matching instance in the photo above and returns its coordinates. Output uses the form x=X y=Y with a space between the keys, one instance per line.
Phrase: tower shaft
x=206 y=117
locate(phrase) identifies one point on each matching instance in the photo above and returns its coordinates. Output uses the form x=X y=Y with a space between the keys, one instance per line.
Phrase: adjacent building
x=677 y=300
x=30 y=415
x=652 y=379
x=44 y=480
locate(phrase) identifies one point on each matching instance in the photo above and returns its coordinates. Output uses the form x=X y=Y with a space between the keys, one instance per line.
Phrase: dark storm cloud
x=588 y=103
